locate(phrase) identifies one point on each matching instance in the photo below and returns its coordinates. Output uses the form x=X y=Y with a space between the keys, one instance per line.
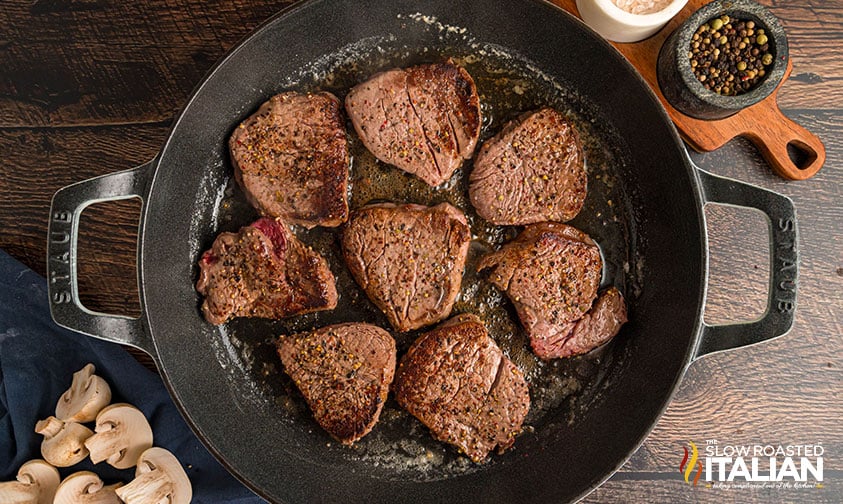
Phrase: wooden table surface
x=89 y=87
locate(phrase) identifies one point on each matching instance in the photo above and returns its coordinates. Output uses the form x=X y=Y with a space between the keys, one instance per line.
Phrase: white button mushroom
x=87 y=395
x=122 y=434
x=158 y=478
x=63 y=443
x=36 y=484
x=85 y=487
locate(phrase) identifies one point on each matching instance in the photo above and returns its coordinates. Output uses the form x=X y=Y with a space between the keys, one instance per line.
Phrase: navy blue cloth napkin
x=37 y=362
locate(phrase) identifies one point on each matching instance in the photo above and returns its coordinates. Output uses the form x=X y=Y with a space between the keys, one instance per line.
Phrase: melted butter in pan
x=560 y=389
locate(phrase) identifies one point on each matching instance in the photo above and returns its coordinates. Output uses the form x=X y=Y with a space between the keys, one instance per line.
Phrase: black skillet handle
x=62 y=282
x=784 y=264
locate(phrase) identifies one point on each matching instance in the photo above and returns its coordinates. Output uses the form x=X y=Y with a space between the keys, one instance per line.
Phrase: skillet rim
x=617 y=59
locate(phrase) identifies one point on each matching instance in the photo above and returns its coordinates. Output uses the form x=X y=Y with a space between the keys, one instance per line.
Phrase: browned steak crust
x=344 y=372
x=595 y=328
x=551 y=273
x=291 y=159
x=532 y=171
x=263 y=271
x=409 y=259
x=457 y=381
x=423 y=119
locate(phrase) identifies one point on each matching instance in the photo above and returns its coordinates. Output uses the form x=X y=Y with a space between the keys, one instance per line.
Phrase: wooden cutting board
x=763 y=124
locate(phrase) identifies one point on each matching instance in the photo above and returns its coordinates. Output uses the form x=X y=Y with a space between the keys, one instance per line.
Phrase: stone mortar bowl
x=681 y=87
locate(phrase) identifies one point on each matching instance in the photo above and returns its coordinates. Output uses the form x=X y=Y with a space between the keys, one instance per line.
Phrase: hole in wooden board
x=739 y=264
x=107 y=257
x=801 y=154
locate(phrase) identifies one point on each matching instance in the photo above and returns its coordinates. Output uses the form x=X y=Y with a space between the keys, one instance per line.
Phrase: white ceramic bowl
x=615 y=24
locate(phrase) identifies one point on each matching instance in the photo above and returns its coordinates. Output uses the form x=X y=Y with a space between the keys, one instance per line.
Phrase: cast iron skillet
x=275 y=448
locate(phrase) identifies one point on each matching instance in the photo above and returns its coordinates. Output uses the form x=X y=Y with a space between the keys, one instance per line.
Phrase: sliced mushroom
x=122 y=434
x=87 y=395
x=36 y=484
x=158 y=478
x=64 y=442
x=85 y=487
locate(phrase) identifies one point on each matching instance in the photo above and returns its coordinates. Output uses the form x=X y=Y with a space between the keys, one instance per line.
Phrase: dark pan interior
x=588 y=413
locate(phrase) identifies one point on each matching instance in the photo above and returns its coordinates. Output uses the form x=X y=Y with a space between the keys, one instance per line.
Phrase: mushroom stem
x=49 y=427
x=122 y=434
x=15 y=492
x=159 y=477
x=36 y=484
x=148 y=487
x=63 y=443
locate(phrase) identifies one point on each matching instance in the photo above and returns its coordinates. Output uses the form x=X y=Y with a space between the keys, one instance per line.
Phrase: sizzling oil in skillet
x=560 y=390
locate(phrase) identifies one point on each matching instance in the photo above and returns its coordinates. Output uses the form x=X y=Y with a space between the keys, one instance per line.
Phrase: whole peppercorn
x=728 y=56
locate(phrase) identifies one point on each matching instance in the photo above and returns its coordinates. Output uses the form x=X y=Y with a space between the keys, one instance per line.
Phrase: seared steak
x=344 y=372
x=408 y=258
x=423 y=119
x=263 y=271
x=596 y=327
x=291 y=159
x=551 y=273
x=457 y=381
x=532 y=171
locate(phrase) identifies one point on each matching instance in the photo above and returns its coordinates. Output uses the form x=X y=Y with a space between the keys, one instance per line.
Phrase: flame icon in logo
x=686 y=467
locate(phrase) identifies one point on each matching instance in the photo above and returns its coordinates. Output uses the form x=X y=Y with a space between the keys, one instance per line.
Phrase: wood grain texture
x=97 y=264
x=669 y=489
x=814 y=31
x=90 y=87
x=39 y=161
x=84 y=62
x=734 y=298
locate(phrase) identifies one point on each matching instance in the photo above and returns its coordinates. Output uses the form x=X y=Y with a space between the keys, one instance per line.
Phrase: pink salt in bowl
x=628 y=20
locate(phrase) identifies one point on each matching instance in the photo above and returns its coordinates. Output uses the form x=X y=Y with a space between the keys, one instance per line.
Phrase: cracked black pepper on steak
x=730 y=56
